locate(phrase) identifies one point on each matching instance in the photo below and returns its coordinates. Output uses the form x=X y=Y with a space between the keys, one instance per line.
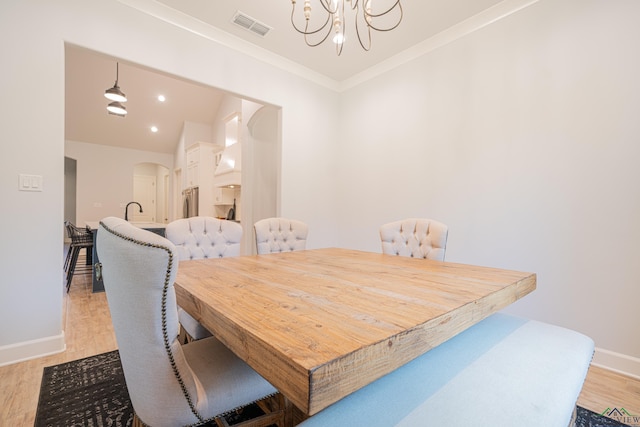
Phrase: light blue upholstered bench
x=503 y=372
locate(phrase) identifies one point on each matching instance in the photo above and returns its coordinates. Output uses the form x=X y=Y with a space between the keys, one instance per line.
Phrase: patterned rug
x=92 y=392
x=586 y=418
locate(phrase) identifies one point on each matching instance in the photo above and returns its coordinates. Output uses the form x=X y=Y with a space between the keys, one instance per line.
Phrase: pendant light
x=114 y=93
x=117 y=109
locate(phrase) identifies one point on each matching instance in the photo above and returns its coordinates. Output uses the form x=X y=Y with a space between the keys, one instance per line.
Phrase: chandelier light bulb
x=307 y=9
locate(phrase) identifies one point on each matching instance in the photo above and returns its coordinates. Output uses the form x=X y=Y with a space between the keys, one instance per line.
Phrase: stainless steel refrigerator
x=190 y=202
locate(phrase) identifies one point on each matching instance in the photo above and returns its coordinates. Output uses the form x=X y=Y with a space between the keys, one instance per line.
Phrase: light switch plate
x=30 y=182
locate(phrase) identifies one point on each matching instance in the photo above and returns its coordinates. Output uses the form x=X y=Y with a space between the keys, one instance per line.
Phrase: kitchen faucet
x=126 y=209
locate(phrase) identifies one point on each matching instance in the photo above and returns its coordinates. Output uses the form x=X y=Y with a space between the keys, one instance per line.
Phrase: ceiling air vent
x=250 y=24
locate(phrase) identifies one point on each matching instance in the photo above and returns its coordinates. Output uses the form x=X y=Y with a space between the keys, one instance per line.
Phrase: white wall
x=261 y=161
x=197 y=132
x=228 y=105
x=104 y=178
x=524 y=138
x=521 y=136
x=32 y=37
x=30 y=298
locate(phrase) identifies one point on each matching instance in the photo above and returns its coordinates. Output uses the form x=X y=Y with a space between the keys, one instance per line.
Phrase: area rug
x=586 y=418
x=92 y=392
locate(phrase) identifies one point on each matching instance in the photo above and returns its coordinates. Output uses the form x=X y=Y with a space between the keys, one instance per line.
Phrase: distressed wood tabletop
x=320 y=324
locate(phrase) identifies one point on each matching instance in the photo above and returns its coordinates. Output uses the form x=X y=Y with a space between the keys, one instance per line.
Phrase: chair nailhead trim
x=165 y=336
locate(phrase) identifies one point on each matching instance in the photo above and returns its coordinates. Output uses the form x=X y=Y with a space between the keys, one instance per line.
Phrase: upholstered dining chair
x=197 y=238
x=415 y=237
x=280 y=235
x=169 y=384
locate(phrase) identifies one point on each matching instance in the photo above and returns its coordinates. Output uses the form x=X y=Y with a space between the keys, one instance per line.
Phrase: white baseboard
x=617 y=362
x=27 y=350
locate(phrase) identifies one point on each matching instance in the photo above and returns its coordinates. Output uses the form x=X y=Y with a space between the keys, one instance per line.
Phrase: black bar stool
x=81 y=238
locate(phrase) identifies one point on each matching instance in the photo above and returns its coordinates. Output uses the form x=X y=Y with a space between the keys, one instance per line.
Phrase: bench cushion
x=504 y=371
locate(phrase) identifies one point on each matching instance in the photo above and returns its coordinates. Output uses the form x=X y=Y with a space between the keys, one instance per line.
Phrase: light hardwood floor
x=88 y=330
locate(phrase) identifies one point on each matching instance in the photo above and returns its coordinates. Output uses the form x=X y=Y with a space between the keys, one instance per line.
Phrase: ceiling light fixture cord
x=334 y=10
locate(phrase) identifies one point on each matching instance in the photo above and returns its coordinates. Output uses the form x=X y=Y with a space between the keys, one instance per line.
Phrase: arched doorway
x=150 y=189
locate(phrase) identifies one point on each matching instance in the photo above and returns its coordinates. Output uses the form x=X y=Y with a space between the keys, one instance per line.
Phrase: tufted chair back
x=280 y=235
x=204 y=237
x=415 y=237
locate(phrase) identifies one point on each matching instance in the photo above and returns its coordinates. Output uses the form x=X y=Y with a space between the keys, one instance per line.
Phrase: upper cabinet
x=225 y=196
x=229 y=167
x=193 y=161
x=200 y=159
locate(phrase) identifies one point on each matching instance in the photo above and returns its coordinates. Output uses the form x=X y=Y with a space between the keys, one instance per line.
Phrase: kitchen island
x=97 y=284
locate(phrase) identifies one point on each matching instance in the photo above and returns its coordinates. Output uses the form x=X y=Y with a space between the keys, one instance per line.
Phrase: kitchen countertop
x=94 y=225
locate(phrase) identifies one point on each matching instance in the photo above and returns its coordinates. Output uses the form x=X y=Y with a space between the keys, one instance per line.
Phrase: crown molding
x=474 y=23
x=207 y=31
x=195 y=26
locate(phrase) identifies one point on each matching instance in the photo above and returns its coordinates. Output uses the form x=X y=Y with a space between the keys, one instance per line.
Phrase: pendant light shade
x=114 y=93
x=116 y=108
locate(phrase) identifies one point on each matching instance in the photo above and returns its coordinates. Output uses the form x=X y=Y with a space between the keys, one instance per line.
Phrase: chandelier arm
x=320 y=42
x=339 y=22
x=306 y=31
x=378 y=15
x=340 y=44
x=326 y=6
x=396 y=4
x=360 y=38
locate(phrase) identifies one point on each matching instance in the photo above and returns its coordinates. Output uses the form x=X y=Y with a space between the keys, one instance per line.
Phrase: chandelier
x=330 y=18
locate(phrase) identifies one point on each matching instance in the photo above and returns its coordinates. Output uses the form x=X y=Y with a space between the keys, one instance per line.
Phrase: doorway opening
x=150 y=181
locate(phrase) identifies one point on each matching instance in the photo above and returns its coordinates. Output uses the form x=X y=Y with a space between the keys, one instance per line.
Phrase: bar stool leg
x=72 y=266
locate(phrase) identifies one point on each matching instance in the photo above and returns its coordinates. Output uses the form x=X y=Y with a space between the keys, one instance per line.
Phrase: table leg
x=292 y=415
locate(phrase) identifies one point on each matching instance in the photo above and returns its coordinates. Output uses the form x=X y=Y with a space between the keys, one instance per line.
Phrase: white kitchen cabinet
x=223 y=196
x=200 y=166
x=193 y=154
x=192 y=175
x=193 y=161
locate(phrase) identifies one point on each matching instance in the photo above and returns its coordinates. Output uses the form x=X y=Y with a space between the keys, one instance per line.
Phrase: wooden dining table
x=321 y=324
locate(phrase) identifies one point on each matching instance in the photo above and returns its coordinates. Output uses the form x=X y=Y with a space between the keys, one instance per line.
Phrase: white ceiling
x=422 y=20
x=89 y=74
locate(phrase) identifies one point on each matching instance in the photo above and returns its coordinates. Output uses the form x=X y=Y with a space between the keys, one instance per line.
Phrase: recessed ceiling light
x=154 y=129
x=161 y=98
